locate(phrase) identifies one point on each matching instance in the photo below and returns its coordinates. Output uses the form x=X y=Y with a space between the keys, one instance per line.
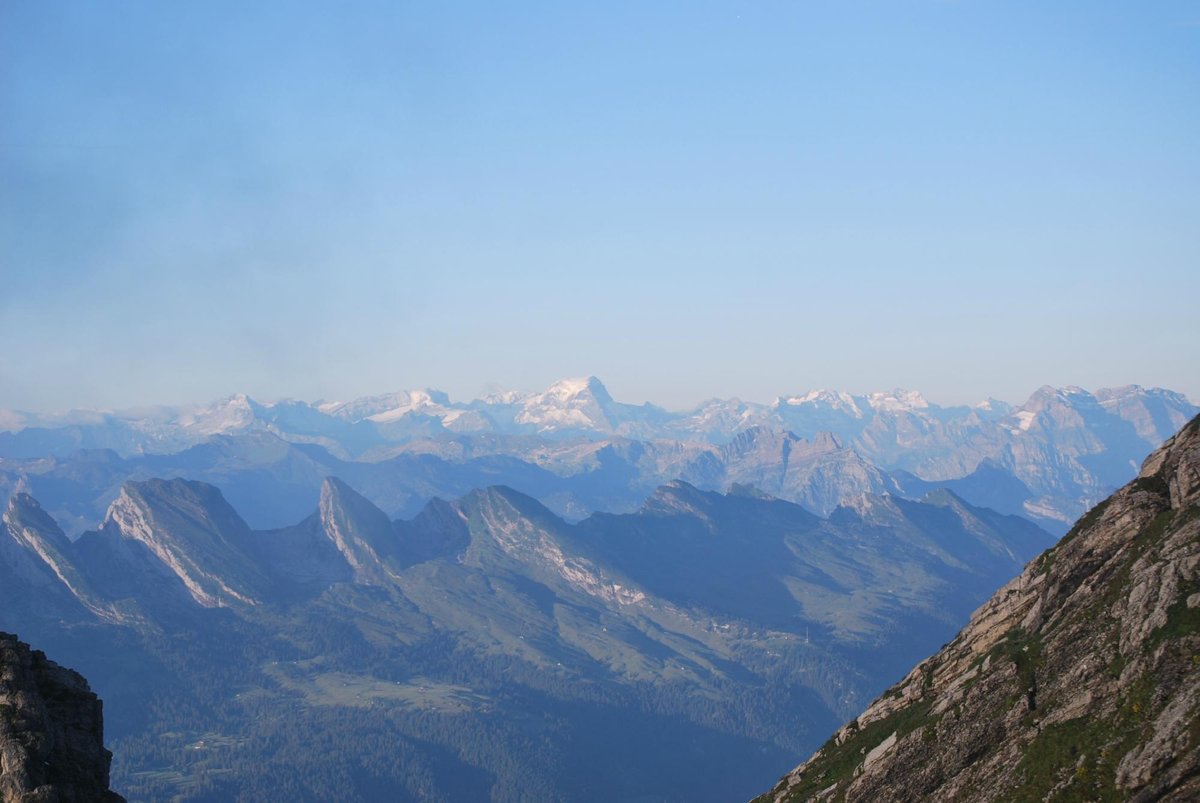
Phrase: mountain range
x=1076 y=681
x=578 y=451
x=486 y=648
x=505 y=599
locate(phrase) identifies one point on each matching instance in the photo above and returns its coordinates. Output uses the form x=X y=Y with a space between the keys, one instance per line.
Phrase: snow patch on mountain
x=506 y=397
x=234 y=413
x=832 y=399
x=569 y=404
x=898 y=401
x=389 y=406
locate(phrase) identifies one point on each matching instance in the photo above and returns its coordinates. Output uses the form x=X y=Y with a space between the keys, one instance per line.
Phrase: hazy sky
x=687 y=200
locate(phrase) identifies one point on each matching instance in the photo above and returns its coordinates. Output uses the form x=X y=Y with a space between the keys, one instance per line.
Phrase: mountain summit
x=570 y=404
x=1076 y=681
x=1060 y=452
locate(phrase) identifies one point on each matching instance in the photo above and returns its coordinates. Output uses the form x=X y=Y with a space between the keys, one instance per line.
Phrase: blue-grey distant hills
x=578 y=451
x=485 y=648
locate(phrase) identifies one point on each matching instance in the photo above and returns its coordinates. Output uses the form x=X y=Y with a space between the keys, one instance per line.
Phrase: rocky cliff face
x=51 y=732
x=1079 y=680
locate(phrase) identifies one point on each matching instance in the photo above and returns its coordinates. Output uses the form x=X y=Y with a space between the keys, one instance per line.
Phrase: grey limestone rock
x=51 y=732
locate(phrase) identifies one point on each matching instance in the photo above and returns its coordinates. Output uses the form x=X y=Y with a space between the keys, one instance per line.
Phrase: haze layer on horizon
x=689 y=200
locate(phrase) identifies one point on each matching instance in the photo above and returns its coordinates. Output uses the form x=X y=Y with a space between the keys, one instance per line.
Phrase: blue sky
x=685 y=199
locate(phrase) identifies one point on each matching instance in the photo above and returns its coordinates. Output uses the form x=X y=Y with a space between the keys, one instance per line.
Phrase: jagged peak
x=34 y=529
x=992 y=403
x=185 y=496
x=334 y=488
x=1066 y=394
x=23 y=499
x=359 y=530
x=25 y=512
x=387 y=406
x=1043 y=392
x=505 y=495
x=873 y=508
x=159 y=484
x=438 y=509
x=898 y=400
x=570 y=404
x=238 y=404
x=569 y=388
x=1122 y=391
x=155 y=510
x=339 y=499
x=838 y=399
x=679 y=485
x=1126 y=392
x=948 y=499
x=499 y=516
x=505 y=397
x=943 y=497
x=194 y=532
x=677 y=497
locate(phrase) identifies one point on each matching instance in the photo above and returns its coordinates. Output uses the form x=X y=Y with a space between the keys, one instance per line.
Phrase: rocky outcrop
x=1078 y=680
x=194 y=533
x=51 y=732
x=362 y=533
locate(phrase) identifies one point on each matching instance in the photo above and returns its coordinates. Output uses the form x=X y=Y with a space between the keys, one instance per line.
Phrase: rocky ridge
x=723 y=618
x=1078 y=680
x=579 y=451
x=51 y=732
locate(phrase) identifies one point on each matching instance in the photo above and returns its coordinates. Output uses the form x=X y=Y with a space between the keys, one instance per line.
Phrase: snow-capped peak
x=506 y=397
x=228 y=414
x=834 y=399
x=569 y=404
x=413 y=401
x=898 y=401
x=566 y=389
x=993 y=405
x=389 y=406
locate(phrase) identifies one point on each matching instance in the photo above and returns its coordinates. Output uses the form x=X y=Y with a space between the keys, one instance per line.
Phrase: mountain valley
x=489 y=641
